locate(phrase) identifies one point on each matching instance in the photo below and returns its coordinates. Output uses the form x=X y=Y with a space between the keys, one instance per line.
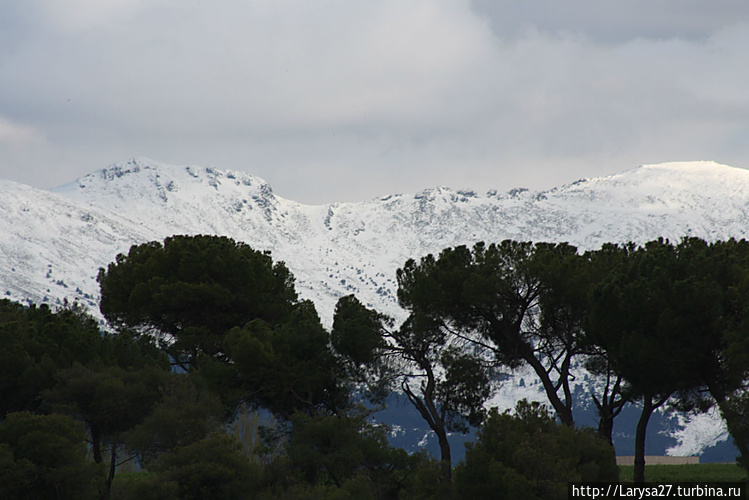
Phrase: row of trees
x=659 y=323
x=56 y=363
x=207 y=328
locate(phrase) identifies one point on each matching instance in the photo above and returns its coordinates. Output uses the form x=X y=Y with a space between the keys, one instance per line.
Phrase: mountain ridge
x=53 y=242
x=356 y=243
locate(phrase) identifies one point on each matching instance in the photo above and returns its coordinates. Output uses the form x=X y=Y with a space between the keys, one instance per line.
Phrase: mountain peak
x=141 y=180
x=703 y=165
x=692 y=168
x=54 y=243
x=670 y=200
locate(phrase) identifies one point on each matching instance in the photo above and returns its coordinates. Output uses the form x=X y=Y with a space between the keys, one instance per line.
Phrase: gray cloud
x=350 y=100
x=611 y=21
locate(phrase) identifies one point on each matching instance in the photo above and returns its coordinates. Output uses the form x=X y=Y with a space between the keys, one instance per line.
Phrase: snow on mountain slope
x=171 y=200
x=53 y=243
x=51 y=246
x=356 y=247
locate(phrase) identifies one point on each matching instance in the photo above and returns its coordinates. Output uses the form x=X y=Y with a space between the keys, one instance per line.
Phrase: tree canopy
x=207 y=327
x=502 y=297
x=229 y=312
x=660 y=317
x=528 y=455
x=190 y=290
x=44 y=456
x=447 y=385
x=36 y=342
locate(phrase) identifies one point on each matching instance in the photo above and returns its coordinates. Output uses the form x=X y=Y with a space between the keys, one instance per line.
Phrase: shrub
x=44 y=456
x=212 y=468
x=528 y=455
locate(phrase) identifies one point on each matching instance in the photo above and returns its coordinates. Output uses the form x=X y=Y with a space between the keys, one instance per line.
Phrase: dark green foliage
x=60 y=361
x=656 y=318
x=735 y=411
x=359 y=338
x=615 y=393
x=465 y=388
x=286 y=367
x=336 y=448
x=132 y=352
x=109 y=400
x=420 y=352
x=343 y=457
x=657 y=321
x=528 y=455
x=446 y=385
x=210 y=468
x=35 y=343
x=185 y=413
x=224 y=310
x=507 y=298
x=660 y=317
x=152 y=487
x=193 y=289
x=719 y=472
x=358 y=333
x=213 y=468
x=44 y=457
x=16 y=476
x=726 y=381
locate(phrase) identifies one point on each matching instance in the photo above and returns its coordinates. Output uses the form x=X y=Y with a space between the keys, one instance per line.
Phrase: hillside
x=342 y=247
x=54 y=242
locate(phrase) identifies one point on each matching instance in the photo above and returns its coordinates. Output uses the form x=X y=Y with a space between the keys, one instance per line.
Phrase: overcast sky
x=346 y=100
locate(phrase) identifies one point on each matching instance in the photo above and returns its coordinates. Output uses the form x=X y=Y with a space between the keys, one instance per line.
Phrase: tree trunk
x=738 y=431
x=648 y=407
x=732 y=420
x=642 y=426
x=96 y=444
x=606 y=428
x=106 y=493
x=428 y=410
x=446 y=463
x=562 y=408
x=608 y=408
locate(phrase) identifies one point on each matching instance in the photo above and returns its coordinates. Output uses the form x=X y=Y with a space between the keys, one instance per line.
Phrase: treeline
x=206 y=330
x=659 y=324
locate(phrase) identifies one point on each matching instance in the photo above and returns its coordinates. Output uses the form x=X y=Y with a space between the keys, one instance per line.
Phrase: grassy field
x=687 y=472
x=654 y=473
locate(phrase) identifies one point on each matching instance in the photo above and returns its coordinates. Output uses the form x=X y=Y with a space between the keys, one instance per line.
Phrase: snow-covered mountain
x=53 y=242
